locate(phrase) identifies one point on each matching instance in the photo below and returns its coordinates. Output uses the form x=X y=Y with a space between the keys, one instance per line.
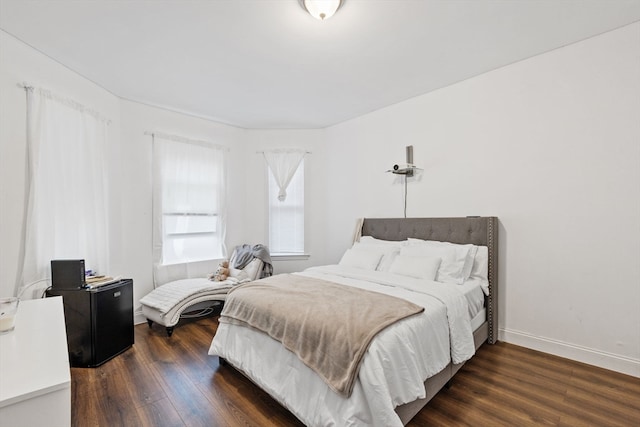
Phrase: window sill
x=290 y=257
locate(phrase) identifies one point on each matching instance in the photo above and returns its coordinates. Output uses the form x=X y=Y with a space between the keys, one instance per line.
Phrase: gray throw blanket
x=246 y=253
x=327 y=325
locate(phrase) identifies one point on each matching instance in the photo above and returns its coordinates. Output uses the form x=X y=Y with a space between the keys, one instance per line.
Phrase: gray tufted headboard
x=481 y=231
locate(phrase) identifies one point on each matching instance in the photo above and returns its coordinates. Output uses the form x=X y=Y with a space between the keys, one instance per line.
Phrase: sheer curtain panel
x=189 y=215
x=286 y=201
x=67 y=201
x=283 y=164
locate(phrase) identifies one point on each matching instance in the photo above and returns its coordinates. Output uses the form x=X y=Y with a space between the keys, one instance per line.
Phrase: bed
x=399 y=371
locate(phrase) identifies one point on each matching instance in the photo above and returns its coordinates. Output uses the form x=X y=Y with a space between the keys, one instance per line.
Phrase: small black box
x=67 y=274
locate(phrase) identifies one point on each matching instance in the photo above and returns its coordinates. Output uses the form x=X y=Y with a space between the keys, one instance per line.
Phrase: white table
x=35 y=379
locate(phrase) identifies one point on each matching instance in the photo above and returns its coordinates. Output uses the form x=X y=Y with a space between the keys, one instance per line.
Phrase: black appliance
x=67 y=274
x=99 y=321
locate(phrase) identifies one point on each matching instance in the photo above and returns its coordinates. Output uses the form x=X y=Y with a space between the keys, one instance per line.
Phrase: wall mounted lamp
x=321 y=9
x=407 y=170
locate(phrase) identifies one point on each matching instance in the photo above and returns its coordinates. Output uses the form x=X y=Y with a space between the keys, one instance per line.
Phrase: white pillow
x=457 y=260
x=480 y=269
x=387 y=259
x=468 y=262
x=387 y=253
x=415 y=266
x=251 y=270
x=238 y=274
x=366 y=260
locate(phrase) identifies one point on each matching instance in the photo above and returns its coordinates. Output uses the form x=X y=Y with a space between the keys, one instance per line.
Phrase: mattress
x=390 y=374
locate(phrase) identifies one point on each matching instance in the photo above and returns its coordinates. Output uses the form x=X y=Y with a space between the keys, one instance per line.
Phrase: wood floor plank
x=527 y=408
x=233 y=404
x=83 y=396
x=160 y=413
x=173 y=382
x=458 y=406
x=185 y=396
x=520 y=386
x=143 y=387
x=606 y=411
x=194 y=365
x=553 y=386
x=609 y=386
x=107 y=401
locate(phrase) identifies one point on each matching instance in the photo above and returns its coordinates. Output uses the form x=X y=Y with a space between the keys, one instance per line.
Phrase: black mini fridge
x=99 y=321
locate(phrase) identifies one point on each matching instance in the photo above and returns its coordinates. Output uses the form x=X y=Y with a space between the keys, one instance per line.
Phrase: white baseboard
x=138 y=318
x=614 y=362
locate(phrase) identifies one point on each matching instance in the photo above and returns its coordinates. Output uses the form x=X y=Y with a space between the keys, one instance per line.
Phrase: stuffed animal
x=222 y=272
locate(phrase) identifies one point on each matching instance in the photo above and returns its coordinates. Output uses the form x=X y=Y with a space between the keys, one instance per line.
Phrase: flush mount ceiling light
x=321 y=9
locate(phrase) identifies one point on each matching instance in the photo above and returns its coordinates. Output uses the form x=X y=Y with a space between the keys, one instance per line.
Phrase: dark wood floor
x=173 y=382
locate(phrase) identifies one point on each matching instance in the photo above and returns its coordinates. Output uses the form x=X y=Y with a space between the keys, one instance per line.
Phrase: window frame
x=272 y=193
x=202 y=238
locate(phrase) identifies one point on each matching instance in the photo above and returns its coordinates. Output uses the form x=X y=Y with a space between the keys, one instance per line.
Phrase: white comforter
x=393 y=371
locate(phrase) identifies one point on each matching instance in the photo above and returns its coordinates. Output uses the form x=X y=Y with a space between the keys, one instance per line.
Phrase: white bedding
x=472 y=289
x=394 y=368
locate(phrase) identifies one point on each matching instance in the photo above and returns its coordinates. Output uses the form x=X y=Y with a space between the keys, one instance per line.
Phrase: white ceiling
x=268 y=64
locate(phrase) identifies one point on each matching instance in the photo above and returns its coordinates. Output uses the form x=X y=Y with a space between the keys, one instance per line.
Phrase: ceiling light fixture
x=321 y=9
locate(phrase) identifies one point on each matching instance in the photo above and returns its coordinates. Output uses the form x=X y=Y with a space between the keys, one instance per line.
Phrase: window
x=286 y=218
x=188 y=197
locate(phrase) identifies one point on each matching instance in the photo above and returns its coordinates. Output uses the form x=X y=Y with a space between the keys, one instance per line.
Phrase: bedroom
x=550 y=147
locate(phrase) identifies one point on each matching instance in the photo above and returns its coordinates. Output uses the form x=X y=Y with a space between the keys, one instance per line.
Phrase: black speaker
x=67 y=274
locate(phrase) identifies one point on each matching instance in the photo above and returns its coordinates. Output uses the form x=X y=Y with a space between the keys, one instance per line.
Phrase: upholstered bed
x=406 y=363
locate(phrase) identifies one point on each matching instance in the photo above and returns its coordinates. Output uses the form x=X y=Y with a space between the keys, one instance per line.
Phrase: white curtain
x=283 y=164
x=189 y=207
x=67 y=201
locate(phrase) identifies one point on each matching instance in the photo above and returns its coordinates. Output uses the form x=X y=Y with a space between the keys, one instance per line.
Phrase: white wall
x=550 y=145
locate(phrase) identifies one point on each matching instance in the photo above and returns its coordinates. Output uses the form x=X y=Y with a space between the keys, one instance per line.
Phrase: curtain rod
x=178 y=138
x=70 y=102
x=25 y=86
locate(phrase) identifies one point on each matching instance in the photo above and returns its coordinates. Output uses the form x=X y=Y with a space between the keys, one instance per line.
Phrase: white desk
x=35 y=379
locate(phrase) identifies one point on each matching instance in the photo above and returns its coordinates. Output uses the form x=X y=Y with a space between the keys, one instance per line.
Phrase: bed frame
x=481 y=231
